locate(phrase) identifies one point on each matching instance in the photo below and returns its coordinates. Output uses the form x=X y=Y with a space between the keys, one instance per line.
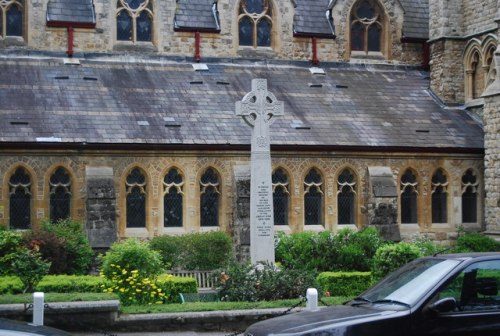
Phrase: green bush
x=476 y=242
x=388 y=258
x=346 y=250
x=64 y=244
x=11 y=243
x=244 y=282
x=30 y=268
x=344 y=283
x=189 y=251
x=10 y=284
x=172 y=286
x=55 y=284
x=131 y=254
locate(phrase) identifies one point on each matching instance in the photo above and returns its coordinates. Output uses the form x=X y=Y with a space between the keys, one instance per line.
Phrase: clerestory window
x=255 y=23
x=173 y=194
x=60 y=195
x=281 y=197
x=11 y=18
x=136 y=199
x=20 y=199
x=366 y=27
x=134 y=20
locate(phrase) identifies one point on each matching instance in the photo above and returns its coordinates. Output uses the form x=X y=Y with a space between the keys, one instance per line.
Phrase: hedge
x=172 y=286
x=344 y=283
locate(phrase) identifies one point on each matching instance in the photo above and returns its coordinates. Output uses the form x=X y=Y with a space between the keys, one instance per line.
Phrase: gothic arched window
x=136 y=199
x=439 y=197
x=173 y=185
x=20 y=199
x=366 y=27
x=11 y=18
x=281 y=197
x=313 y=198
x=134 y=20
x=60 y=195
x=209 y=198
x=255 y=23
x=346 y=197
x=408 y=198
x=469 y=197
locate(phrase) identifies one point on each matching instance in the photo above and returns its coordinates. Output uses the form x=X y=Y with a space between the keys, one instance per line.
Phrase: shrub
x=388 y=258
x=30 y=268
x=64 y=244
x=129 y=255
x=11 y=242
x=71 y=283
x=344 y=283
x=244 y=282
x=476 y=242
x=302 y=250
x=189 y=251
x=172 y=286
x=10 y=284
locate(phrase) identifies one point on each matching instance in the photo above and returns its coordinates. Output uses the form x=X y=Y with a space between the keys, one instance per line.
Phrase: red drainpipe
x=70 y=41
x=314 y=60
x=197 y=56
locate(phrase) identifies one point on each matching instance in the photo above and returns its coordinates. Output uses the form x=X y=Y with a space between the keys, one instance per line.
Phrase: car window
x=476 y=287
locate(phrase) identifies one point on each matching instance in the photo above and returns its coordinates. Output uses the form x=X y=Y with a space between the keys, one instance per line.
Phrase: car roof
x=468 y=255
x=19 y=328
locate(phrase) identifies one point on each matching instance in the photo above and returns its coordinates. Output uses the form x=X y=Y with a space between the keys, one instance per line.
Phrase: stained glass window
x=469 y=197
x=11 y=18
x=134 y=20
x=408 y=197
x=210 y=196
x=439 y=197
x=366 y=26
x=20 y=200
x=136 y=199
x=313 y=198
x=60 y=195
x=280 y=197
x=173 y=185
x=346 y=197
x=255 y=23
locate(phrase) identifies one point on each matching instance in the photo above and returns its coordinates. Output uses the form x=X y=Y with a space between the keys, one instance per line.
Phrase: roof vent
x=315 y=85
x=90 y=78
x=317 y=71
x=19 y=123
x=170 y=122
x=143 y=123
x=339 y=86
x=200 y=67
x=298 y=124
x=61 y=77
x=221 y=82
x=196 y=82
x=422 y=131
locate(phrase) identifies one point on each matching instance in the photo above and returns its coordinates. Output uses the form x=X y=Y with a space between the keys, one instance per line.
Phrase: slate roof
x=74 y=11
x=416 y=18
x=195 y=15
x=310 y=19
x=169 y=103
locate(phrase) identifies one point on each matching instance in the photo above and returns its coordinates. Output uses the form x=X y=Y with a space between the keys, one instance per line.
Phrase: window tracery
x=11 y=18
x=173 y=197
x=136 y=199
x=313 y=198
x=281 y=197
x=255 y=23
x=20 y=199
x=408 y=199
x=366 y=27
x=134 y=20
x=60 y=195
x=469 y=197
x=209 y=198
x=346 y=197
x=439 y=197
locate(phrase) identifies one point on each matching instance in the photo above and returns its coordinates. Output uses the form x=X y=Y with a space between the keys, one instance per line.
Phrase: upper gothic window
x=209 y=198
x=366 y=27
x=469 y=197
x=408 y=198
x=313 y=198
x=255 y=23
x=60 y=195
x=439 y=197
x=134 y=20
x=173 y=184
x=281 y=197
x=346 y=197
x=20 y=199
x=11 y=18
x=136 y=199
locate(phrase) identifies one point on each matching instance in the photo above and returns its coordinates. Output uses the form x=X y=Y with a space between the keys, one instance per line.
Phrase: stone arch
x=489 y=45
x=274 y=19
x=75 y=187
x=474 y=76
x=34 y=191
x=220 y=189
x=341 y=187
x=161 y=192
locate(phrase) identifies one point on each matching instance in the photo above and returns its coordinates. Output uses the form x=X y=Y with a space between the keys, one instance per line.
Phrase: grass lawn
x=163 y=308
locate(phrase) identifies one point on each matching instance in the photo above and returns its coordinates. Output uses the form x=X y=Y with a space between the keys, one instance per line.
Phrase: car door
x=469 y=304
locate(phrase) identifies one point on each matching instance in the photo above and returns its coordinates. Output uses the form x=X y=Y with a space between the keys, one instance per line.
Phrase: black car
x=18 y=328
x=455 y=294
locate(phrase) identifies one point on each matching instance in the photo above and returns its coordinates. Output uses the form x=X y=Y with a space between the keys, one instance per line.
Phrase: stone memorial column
x=258 y=109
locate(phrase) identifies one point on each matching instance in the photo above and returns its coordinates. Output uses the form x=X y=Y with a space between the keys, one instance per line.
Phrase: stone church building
x=121 y=114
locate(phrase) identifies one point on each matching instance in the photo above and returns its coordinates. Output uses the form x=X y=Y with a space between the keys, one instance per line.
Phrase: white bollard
x=312 y=299
x=38 y=307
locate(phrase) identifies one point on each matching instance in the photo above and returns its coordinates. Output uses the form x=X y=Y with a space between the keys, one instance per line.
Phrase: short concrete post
x=38 y=306
x=312 y=299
